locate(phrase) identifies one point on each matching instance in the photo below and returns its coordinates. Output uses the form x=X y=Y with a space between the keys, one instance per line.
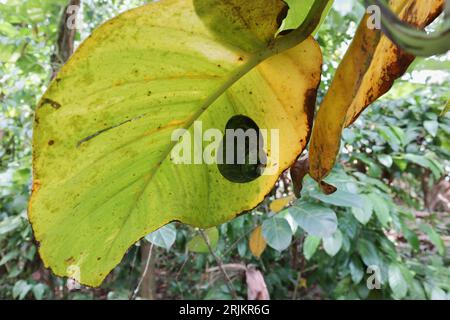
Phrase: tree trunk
x=66 y=36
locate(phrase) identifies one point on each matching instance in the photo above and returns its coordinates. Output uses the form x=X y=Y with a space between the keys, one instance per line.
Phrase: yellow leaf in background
x=257 y=243
x=370 y=67
x=278 y=204
x=303 y=283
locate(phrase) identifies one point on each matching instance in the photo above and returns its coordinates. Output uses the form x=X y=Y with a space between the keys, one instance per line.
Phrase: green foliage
x=163 y=237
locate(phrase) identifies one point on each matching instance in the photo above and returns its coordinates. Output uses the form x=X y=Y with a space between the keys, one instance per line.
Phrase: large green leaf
x=103 y=175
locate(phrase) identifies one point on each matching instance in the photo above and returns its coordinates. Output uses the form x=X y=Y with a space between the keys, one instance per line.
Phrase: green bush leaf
x=397 y=283
x=424 y=162
x=310 y=246
x=368 y=253
x=341 y=199
x=385 y=160
x=432 y=126
x=21 y=289
x=381 y=208
x=333 y=244
x=434 y=237
x=163 y=237
x=277 y=232
x=316 y=220
x=363 y=214
x=198 y=244
x=393 y=135
x=356 y=270
x=39 y=290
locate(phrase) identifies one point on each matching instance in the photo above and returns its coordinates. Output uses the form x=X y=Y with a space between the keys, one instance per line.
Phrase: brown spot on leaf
x=70 y=260
x=52 y=103
x=327 y=188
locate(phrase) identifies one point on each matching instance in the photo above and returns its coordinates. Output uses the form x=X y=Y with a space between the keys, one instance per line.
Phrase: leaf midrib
x=233 y=78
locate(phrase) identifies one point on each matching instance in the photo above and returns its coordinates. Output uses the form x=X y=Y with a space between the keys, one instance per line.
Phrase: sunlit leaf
x=103 y=173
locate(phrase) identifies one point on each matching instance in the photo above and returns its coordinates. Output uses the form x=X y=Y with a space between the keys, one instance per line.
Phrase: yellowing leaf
x=103 y=173
x=368 y=70
x=257 y=243
x=278 y=204
x=303 y=283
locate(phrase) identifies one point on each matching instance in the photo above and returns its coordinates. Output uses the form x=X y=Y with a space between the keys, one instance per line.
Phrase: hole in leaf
x=241 y=157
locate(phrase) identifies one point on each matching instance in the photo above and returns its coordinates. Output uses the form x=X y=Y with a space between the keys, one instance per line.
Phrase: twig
x=298 y=172
x=235 y=267
x=301 y=271
x=135 y=292
x=228 y=281
x=182 y=266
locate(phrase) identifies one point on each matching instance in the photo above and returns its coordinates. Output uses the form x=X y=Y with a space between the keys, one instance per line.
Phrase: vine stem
x=147 y=264
x=228 y=281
